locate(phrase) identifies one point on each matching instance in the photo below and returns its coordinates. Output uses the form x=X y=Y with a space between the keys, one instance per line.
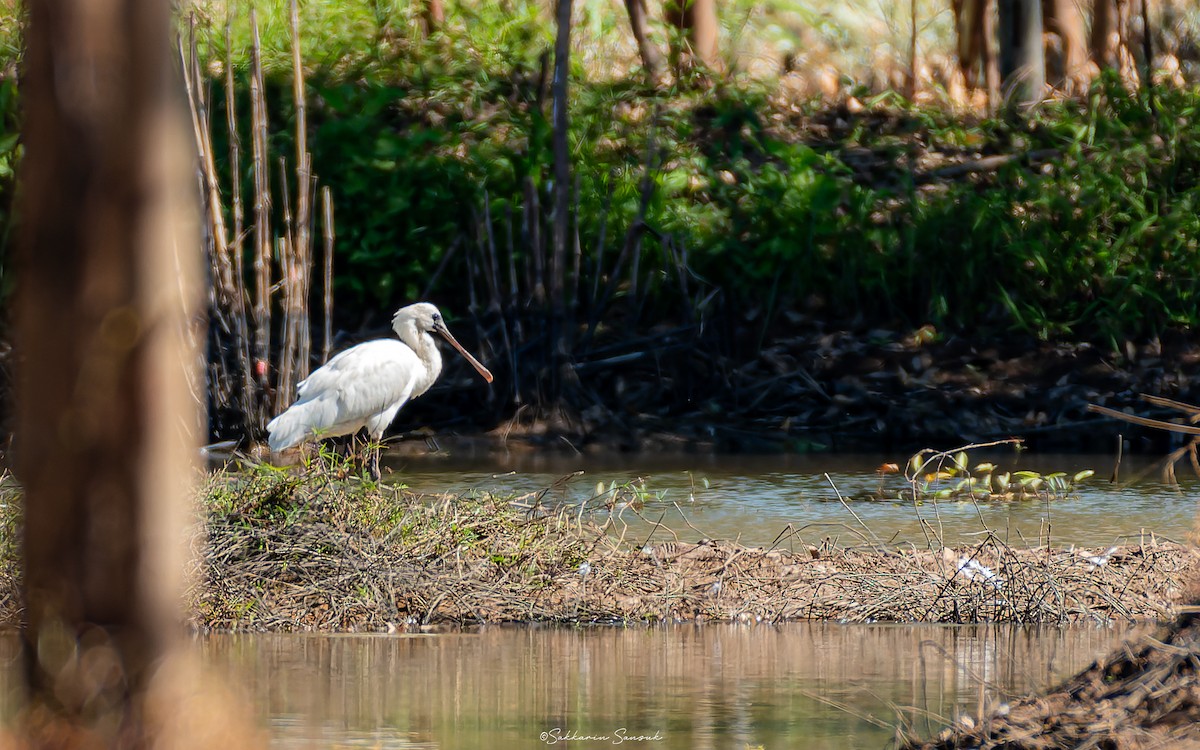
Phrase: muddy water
x=795 y=499
x=713 y=686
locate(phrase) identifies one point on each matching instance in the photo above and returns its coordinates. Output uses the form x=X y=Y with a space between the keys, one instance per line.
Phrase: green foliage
x=431 y=146
x=1099 y=243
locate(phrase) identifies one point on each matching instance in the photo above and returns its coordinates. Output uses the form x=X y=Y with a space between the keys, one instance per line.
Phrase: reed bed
x=260 y=345
x=288 y=553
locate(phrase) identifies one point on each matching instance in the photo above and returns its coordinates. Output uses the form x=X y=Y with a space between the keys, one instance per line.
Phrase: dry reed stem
x=262 y=221
x=238 y=213
x=327 y=275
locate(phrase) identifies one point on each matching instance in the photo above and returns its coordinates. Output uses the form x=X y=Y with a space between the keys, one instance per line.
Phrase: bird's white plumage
x=366 y=385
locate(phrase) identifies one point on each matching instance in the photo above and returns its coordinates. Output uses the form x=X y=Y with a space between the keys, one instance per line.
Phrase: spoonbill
x=366 y=385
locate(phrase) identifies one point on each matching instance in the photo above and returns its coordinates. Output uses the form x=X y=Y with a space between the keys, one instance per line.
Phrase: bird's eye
x=436 y=317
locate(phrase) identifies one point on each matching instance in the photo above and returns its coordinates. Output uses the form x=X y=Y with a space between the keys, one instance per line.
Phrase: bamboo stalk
x=225 y=287
x=241 y=324
x=203 y=144
x=289 y=281
x=262 y=221
x=308 y=259
x=1148 y=61
x=304 y=192
x=327 y=288
x=514 y=286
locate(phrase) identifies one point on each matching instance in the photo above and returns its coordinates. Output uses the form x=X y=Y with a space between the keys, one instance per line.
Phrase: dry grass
x=285 y=553
x=317 y=551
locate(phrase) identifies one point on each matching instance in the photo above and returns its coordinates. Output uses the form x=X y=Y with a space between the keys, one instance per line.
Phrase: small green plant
x=632 y=494
x=949 y=475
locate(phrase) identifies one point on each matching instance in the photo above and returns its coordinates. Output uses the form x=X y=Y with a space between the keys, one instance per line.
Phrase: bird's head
x=426 y=318
x=423 y=316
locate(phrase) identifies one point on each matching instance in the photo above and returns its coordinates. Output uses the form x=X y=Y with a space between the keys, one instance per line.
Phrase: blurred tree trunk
x=651 y=58
x=913 y=82
x=106 y=264
x=976 y=51
x=433 y=15
x=1110 y=39
x=697 y=29
x=1105 y=36
x=1022 y=58
x=1064 y=18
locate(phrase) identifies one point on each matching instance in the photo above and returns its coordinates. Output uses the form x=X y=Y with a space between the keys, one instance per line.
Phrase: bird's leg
x=373 y=449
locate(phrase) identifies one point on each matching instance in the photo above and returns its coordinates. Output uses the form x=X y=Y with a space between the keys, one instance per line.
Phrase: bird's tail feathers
x=289 y=429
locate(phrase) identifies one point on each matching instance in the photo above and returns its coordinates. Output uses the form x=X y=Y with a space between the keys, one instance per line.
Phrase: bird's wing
x=365 y=379
x=345 y=393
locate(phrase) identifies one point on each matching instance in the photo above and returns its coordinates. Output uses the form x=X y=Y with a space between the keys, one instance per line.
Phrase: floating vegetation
x=932 y=476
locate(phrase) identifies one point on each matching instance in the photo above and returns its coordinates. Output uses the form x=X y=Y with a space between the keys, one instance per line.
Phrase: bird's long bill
x=483 y=371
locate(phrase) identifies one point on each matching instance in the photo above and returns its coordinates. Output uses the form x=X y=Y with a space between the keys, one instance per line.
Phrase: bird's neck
x=432 y=357
x=427 y=351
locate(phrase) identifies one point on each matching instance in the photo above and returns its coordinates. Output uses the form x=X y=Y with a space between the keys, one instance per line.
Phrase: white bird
x=366 y=385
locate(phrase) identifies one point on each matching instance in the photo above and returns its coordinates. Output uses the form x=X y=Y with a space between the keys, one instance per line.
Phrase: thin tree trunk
x=1022 y=61
x=705 y=31
x=651 y=57
x=1148 y=60
x=1110 y=39
x=106 y=422
x=976 y=48
x=1064 y=19
x=1105 y=38
x=696 y=40
x=433 y=15
x=913 y=80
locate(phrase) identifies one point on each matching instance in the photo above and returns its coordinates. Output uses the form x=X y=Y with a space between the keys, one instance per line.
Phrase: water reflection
x=756 y=498
x=715 y=686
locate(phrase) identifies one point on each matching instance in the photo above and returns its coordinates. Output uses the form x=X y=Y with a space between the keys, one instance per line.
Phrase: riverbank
x=315 y=551
x=282 y=551
x=1144 y=695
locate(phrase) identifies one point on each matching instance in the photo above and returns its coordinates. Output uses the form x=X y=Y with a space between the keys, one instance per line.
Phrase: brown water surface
x=799 y=685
